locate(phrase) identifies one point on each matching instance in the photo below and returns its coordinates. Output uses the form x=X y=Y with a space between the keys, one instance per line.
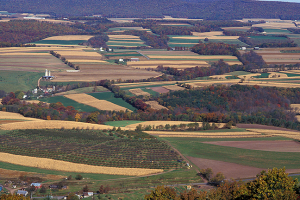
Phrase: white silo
x=49 y=73
x=46 y=72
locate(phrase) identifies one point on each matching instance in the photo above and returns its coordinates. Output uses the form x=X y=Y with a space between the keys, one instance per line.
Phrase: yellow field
x=50 y=124
x=79 y=53
x=212 y=33
x=265 y=83
x=96 y=103
x=209 y=37
x=139 y=92
x=125 y=39
x=288 y=134
x=25 y=54
x=123 y=36
x=194 y=57
x=112 y=41
x=173 y=66
x=59 y=165
x=233 y=62
x=86 y=61
x=166 y=62
x=9 y=115
x=155 y=105
x=70 y=37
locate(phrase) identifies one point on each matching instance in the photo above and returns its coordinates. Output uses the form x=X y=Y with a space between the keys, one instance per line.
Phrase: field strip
x=217 y=136
x=194 y=57
x=25 y=54
x=70 y=37
x=51 y=164
x=138 y=92
x=271 y=84
x=125 y=39
x=201 y=133
x=212 y=33
x=10 y=115
x=167 y=62
x=209 y=37
x=112 y=41
x=123 y=36
x=233 y=62
x=52 y=124
x=79 y=53
x=288 y=134
x=94 y=102
x=86 y=61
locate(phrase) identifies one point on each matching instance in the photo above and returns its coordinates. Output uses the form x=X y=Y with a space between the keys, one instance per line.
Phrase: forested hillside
x=18 y=32
x=218 y=9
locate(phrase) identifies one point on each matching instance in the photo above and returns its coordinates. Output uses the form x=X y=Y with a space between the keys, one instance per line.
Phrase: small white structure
x=121 y=60
x=134 y=59
x=101 y=49
x=34 y=91
x=256 y=48
x=243 y=48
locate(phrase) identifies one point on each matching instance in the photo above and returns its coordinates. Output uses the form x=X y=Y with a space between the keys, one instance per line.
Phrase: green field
x=69 y=102
x=109 y=96
x=238 y=73
x=269 y=37
x=11 y=81
x=60 y=42
x=261 y=159
x=281 y=31
x=122 y=123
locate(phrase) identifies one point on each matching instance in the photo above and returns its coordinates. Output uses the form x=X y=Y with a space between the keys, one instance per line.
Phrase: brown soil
x=277 y=146
x=230 y=170
x=258 y=126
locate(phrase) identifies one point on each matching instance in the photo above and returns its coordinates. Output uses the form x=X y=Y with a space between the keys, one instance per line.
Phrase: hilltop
x=217 y=9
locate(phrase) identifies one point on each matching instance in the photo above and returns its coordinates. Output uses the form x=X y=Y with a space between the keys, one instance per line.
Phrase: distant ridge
x=206 y=9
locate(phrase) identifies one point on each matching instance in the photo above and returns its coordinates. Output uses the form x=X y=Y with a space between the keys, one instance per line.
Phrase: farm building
x=22 y=192
x=134 y=59
x=256 y=48
x=36 y=185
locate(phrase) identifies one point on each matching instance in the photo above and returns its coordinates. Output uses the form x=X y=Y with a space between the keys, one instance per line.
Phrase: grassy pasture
x=261 y=159
x=122 y=123
x=84 y=90
x=68 y=102
x=11 y=81
x=109 y=96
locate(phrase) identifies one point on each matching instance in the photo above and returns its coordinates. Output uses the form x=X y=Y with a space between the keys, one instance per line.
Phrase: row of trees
x=57 y=55
x=274 y=184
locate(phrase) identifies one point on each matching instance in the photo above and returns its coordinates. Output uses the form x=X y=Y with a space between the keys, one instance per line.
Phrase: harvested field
x=230 y=170
x=209 y=37
x=287 y=134
x=200 y=57
x=173 y=66
x=174 y=87
x=167 y=62
x=277 y=146
x=259 y=126
x=5 y=173
x=51 y=124
x=8 y=121
x=169 y=53
x=36 y=102
x=139 y=92
x=123 y=36
x=70 y=37
x=86 y=61
x=10 y=115
x=45 y=163
x=296 y=107
x=155 y=105
x=271 y=84
x=233 y=62
x=159 y=89
x=96 y=103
